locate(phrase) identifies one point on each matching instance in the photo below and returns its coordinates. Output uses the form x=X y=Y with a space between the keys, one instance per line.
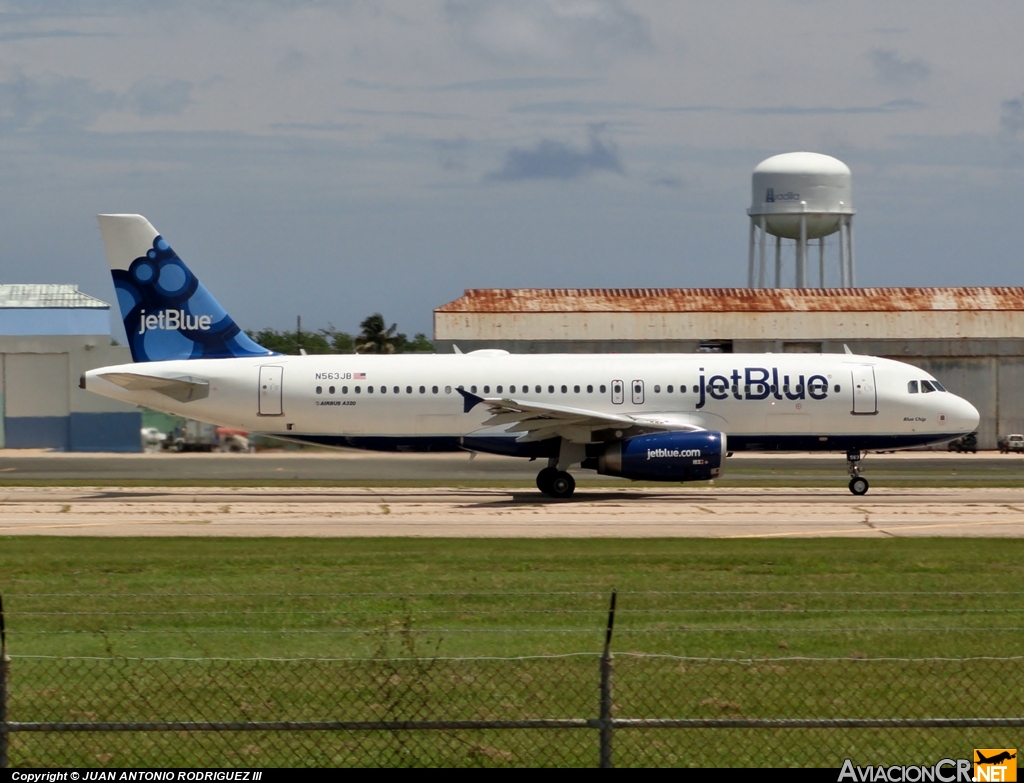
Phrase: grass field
x=794 y=602
x=342 y=597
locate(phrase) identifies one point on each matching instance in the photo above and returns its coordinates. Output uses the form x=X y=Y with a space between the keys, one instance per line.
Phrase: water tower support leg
x=750 y=262
x=801 y=255
x=778 y=262
x=764 y=243
x=821 y=262
x=842 y=252
x=849 y=238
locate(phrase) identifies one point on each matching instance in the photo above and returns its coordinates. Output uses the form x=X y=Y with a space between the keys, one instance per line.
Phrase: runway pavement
x=500 y=513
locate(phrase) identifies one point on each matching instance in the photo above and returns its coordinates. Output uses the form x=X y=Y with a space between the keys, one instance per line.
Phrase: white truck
x=1012 y=442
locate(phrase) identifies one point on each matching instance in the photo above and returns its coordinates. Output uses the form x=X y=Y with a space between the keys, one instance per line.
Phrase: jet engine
x=662 y=456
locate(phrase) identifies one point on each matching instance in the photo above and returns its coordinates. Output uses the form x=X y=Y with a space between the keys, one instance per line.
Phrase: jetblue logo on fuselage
x=173 y=320
x=771 y=196
x=760 y=383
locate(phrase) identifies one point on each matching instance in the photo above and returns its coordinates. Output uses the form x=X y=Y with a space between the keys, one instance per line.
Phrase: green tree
x=377 y=337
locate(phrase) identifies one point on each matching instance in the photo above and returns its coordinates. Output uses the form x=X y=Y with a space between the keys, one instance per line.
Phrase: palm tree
x=376 y=337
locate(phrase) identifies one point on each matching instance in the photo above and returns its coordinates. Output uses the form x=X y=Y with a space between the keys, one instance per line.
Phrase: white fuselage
x=761 y=401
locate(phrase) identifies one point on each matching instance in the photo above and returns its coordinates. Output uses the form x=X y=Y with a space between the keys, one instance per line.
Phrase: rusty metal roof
x=670 y=300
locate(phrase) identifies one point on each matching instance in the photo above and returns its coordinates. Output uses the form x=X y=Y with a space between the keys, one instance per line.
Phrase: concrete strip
x=500 y=513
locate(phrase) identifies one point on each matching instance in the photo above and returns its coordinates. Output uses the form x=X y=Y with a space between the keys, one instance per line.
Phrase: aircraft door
x=618 y=393
x=271 y=391
x=638 y=392
x=865 y=395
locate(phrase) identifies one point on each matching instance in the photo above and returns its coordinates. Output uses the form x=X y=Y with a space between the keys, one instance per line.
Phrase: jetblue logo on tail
x=169 y=314
x=173 y=319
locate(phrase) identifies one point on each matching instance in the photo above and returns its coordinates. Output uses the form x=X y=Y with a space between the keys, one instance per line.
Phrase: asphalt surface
x=362 y=466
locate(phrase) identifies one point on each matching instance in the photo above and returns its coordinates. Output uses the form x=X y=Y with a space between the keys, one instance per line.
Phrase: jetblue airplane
x=650 y=417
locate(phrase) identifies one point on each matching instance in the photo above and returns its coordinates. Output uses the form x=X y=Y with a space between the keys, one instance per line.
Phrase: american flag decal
x=359 y=376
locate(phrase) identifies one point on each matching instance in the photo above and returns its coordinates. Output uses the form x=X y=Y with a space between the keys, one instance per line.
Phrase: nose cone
x=965 y=416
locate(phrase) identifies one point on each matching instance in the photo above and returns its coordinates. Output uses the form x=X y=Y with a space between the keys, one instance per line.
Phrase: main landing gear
x=858 y=484
x=556 y=483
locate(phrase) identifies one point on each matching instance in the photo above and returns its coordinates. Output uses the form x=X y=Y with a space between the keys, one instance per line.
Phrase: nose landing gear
x=858 y=484
x=556 y=483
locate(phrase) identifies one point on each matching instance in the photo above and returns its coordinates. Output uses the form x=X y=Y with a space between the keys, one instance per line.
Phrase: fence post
x=606 y=691
x=5 y=665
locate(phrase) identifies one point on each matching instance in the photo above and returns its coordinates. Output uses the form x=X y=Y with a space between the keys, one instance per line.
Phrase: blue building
x=49 y=336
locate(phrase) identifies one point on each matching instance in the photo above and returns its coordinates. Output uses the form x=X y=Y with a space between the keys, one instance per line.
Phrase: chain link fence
x=589 y=709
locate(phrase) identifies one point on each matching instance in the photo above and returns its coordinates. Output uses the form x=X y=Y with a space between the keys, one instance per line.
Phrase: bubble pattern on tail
x=168 y=314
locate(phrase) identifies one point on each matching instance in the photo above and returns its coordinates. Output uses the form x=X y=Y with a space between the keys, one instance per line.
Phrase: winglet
x=456 y=348
x=470 y=400
x=847 y=349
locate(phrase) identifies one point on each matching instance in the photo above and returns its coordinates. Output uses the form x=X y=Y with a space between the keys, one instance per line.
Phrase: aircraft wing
x=184 y=389
x=539 y=421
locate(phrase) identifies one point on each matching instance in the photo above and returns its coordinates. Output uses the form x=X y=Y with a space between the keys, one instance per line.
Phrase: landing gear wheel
x=545 y=478
x=562 y=485
x=859 y=485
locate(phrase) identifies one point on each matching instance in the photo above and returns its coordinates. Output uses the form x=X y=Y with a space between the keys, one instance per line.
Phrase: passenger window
x=912 y=387
x=344 y=389
x=657 y=389
x=434 y=389
x=565 y=389
x=423 y=389
x=383 y=389
x=473 y=389
x=319 y=390
x=511 y=389
x=927 y=387
x=682 y=388
x=408 y=389
x=537 y=388
x=487 y=389
x=396 y=390
x=447 y=389
x=667 y=388
x=576 y=389
x=331 y=390
x=498 y=390
x=603 y=388
x=837 y=388
x=358 y=389
x=746 y=389
x=775 y=388
x=590 y=388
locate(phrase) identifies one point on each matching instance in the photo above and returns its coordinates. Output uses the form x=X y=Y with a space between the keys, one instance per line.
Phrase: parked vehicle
x=1014 y=442
x=968 y=443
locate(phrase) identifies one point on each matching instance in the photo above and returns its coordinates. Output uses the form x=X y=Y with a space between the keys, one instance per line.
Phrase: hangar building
x=49 y=336
x=971 y=339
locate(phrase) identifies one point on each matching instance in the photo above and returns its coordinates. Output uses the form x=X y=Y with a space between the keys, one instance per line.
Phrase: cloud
x=556 y=160
x=903 y=104
x=56 y=103
x=152 y=97
x=550 y=31
x=893 y=69
x=1011 y=116
x=51 y=102
x=451 y=153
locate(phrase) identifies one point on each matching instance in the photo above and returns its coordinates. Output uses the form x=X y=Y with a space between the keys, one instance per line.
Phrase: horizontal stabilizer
x=184 y=389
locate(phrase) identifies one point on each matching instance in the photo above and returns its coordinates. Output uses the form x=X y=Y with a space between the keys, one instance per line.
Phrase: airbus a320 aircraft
x=652 y=417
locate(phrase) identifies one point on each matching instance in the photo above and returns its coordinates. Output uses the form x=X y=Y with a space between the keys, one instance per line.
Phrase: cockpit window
x=912 y=387
x=938 y=386
x=926 y=386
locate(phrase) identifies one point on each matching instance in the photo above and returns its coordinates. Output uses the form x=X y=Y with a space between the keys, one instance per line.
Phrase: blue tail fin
x=167 y=312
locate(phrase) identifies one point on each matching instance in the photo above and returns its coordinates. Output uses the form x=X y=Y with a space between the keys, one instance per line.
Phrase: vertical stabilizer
x=167 y=312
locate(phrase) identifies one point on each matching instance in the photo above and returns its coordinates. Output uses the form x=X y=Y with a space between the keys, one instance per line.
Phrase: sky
x=335 y=159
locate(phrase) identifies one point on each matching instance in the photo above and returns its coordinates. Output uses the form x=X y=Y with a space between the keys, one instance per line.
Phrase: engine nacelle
x=664 y=456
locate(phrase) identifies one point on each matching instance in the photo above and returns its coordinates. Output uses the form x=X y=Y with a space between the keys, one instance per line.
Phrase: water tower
x=800 y=196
